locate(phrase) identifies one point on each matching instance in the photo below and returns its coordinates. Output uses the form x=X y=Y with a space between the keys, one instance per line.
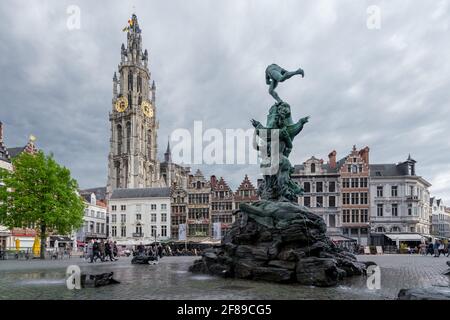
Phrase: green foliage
x=41 y=192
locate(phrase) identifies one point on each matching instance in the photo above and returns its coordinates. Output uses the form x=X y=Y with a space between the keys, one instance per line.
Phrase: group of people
x=160 y=250
x=434 y=249
x=101 y=250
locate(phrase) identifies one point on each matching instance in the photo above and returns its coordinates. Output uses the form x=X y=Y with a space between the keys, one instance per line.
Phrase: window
x=380 y=229
x=332 y=186
x=319 y=186
x=409 y=209
x=307 y=187
x=138 y=217
x=363 y=182
x=307 y=202
x=332 y=201
x=355 y=198
x=354 y=169
x=355 y=183
x=360 y=168
x=346 y=198
x=86 y=212
x=123 y=231
x=163 y=206
x=313 y=168
x=349 y=168
x=355 y=216
x=153 y=231
x=363 y=198
x=346 y=216
x=379 y=210
x=346 y=183
x=394 y=210
x=97 y=228
x=92 y=213
x=114 y=208
x=113 y=218
x=128 y=136
x=114 y=231
x=332 y=220
x=123 y=218
x=364 y=215
x=139 y=230
x=123 y=207
x=163 y=217
x=163 y=231
x=412 y=229
x=394 y=191
x=153 y=217
x=379 y=191
x=102 y=228
x=153 y=207
x=319 y=202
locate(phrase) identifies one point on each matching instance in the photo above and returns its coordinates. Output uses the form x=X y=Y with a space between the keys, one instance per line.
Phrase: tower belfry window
x=119 y=139
x=128 y=136
x=139 y=83
x=130 y=81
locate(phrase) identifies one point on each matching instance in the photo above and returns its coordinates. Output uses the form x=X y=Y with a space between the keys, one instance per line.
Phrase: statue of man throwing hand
x=276 y=74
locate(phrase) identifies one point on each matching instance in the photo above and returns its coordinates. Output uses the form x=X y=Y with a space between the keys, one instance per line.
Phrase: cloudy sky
x=386 y=88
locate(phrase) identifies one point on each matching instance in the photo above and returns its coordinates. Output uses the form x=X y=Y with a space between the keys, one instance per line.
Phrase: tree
x=40 y=192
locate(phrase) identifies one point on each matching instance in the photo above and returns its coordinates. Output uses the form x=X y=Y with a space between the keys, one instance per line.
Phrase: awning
x=338 y=238
x=60 y=239
x=405 y=237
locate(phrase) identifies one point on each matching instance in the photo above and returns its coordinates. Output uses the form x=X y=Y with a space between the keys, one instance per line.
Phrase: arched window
x=313 y=168
x=119 y=139
x=125 y=173
x=149 y=143
x=380 y=229
x=117 y=165
x=130 y=81
x=395 y=229
x=128 y=137
x=139 y=83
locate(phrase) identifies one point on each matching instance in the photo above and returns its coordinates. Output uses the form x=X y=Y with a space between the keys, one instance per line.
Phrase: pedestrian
x=437 y=254
x=423 y=248
x=96 y=251
x=108 y=251
x=90 y=250
x=115 y=250
x=160 y=251
x=101 y=248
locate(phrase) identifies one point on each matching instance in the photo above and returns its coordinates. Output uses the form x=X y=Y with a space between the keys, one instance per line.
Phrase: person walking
x=436 y=245
x=90 y=251
x=96 y=251
x=115 y=250
x=101 y=248
x=108 y=251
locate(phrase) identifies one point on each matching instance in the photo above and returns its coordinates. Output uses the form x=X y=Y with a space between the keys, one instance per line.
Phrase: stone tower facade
x=133 y=142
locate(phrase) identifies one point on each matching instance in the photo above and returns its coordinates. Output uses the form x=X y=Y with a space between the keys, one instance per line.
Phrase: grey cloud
x=386 y=88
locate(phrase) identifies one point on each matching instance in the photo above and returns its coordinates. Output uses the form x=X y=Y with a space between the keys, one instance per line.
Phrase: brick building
x=246 y=193
x=354 y=177
x=222 y=199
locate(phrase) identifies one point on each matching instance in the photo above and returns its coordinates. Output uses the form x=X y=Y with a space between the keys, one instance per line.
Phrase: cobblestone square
x=170 y=279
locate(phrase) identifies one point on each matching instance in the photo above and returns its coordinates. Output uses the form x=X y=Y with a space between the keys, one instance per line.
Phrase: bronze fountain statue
x=276 y=239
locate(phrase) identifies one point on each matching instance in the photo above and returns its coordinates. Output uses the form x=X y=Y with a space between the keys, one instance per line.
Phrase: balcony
x=138 y=235
x=412 y=198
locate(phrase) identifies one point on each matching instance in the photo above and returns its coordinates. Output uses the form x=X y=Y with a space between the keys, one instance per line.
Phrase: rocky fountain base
x=279 y=242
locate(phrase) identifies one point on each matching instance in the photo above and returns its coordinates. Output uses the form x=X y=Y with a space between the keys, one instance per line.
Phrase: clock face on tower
x=121 y=104
x=147 y=109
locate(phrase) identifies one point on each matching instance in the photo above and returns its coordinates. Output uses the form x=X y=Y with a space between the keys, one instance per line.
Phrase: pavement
x=170 y=279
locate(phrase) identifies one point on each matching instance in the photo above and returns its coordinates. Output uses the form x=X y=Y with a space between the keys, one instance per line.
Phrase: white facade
x=440 y=218
x=399 y=204
x=140 y=216
x=94 y=221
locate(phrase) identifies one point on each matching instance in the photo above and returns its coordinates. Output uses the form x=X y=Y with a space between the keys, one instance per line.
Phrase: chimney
x=364 y=153
x=1 y=132
x=332 y=159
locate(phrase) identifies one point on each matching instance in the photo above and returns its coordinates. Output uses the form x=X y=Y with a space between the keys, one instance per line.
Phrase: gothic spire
x=168 y=153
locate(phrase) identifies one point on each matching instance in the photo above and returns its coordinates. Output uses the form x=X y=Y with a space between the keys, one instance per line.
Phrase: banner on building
x=217 y=230
x=182 y=232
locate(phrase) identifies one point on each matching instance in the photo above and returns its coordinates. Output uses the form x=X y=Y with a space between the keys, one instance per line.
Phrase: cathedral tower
x=133 y=149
